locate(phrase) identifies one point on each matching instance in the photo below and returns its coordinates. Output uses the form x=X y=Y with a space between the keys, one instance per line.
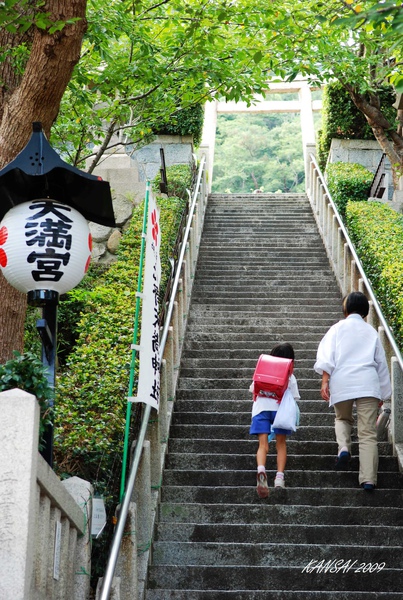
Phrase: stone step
x=197 y=346
x=265 y=338
x=308 y=478
x=225 y=363
x=256 y=343
x=234 y=372
x=219 y=462
x=267 y=289
x=241 y=382
x=239 y=275
x=248 y=446
x=277 y=514
x=328 y=298
x=195 y=394
x=268 y=306
x=240 y=418
x=257 y=578
x=170 y=594
x=238 y=432
x=303 y=496
x=317 y=407
x=294 y=534
x=271 y=555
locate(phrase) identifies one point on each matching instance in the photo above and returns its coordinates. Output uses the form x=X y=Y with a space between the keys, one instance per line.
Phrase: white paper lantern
x=44 y=245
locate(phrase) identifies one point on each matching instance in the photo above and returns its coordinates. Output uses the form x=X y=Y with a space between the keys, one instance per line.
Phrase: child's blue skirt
x=263 y=421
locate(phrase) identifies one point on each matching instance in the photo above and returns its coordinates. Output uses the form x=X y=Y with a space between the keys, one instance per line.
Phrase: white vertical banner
x=148 y=390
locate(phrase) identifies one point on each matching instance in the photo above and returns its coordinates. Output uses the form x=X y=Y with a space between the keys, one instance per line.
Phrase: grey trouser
x=367 y=411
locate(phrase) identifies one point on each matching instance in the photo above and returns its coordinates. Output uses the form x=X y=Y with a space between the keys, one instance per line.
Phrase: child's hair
x=284 y=350
x=356 y=302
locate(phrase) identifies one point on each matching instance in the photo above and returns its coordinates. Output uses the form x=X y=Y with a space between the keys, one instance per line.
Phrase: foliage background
x=258 y=152
x=348 y=182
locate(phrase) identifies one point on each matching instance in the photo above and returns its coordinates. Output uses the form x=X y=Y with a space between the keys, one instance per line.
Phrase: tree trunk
x=34 y=96
x=382 y=128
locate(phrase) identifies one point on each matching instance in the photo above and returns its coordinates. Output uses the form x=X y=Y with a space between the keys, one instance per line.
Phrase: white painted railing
x=45 y=551
x=350 y=275
x=126 y=570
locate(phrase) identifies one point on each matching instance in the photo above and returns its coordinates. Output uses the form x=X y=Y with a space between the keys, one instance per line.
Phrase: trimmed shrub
x=179 y=181
x=342 y=119
x=377 y=233
x=348 y=182
x=187 y=121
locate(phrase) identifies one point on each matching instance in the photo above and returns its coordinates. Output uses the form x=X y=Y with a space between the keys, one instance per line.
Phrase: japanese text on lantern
x=48 y=230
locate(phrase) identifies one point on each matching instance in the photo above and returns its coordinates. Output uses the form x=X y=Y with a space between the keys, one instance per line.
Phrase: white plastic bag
x=287 y=414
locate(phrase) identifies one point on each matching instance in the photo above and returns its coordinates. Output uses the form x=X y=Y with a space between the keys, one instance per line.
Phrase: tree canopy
x=126 y=66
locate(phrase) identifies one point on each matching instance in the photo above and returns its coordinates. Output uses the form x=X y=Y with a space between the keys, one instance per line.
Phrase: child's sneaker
x=279 y=480
x=262 y=488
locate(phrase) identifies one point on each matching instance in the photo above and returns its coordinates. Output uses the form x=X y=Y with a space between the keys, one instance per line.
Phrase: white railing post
x=82 y=493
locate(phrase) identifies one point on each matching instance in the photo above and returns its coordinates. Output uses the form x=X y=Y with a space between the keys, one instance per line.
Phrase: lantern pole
x=47 y=329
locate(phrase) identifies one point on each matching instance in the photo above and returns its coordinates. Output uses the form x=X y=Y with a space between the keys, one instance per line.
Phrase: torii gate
x=304 y=105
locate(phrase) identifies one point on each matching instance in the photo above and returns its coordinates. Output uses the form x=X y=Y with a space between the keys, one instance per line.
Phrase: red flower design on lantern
x=87 y=264
x=3 y=239
x=155 y=228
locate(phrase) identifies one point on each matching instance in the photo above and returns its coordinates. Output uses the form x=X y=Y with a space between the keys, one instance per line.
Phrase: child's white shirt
x=266 y=403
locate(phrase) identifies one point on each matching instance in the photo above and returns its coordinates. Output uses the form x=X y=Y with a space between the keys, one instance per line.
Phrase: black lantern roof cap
x=39 y=172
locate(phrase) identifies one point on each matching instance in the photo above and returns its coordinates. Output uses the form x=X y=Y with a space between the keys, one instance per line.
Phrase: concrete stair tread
x=266 y=554
x=276 y=514
x=257 y=578
x=238 y=478
x=181 y=461
x=248 y=446
x=172 y=594
x=313 y=496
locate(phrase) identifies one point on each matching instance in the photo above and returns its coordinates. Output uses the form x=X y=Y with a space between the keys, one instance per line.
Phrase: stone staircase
x=263 y=277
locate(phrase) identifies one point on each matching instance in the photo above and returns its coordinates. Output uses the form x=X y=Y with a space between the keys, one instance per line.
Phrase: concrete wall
x=45 y=549
x=128 y=172
x=364 y=152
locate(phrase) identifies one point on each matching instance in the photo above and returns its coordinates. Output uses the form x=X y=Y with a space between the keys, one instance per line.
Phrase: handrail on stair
x=351 y=277
x=199 y=195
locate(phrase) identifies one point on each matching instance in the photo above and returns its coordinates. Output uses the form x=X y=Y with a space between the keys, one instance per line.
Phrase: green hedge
x=187 y=121
x=348 y=182
x=377 y=233
x=342 y=119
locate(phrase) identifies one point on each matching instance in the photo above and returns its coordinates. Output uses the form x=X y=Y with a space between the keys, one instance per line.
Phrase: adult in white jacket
x=353 y=366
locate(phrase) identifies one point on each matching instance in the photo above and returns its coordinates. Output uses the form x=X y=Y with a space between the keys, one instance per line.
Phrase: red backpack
x=272 y=374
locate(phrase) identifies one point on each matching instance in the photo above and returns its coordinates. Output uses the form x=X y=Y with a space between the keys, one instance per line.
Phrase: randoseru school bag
x=272 y=374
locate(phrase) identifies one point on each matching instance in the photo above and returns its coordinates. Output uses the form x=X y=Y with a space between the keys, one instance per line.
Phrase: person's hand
x=324 y=390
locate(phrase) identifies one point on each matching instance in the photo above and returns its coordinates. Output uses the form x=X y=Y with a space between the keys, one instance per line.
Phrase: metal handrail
x=118 y=534
x=378 y=178
x=359 y=266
